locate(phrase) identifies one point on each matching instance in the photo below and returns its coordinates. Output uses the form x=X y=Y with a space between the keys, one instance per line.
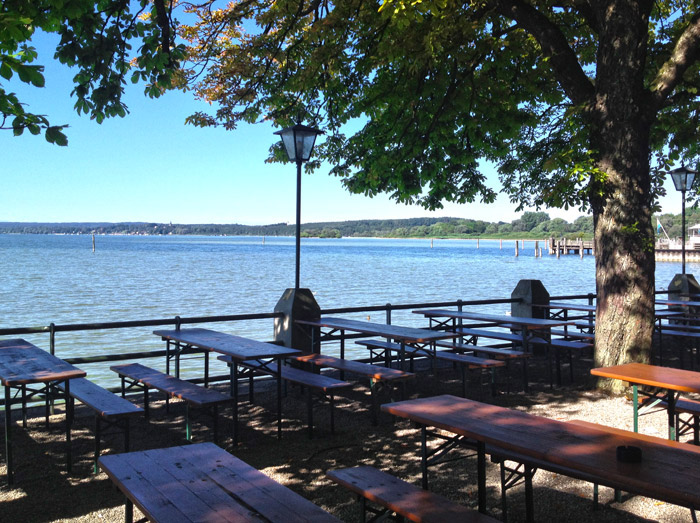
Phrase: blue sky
x=150 y=166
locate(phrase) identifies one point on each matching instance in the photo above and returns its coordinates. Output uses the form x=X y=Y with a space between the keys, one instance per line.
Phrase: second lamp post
x=298 y=141
x=683 y=179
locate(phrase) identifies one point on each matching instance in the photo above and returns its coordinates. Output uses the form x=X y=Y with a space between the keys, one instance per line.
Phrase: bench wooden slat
x=573 y=334
x=496 y=353
x=105 y=403
x=368 y=370
x=496 y=335
x=175 y=387
x=403 y=498
x=301 y=377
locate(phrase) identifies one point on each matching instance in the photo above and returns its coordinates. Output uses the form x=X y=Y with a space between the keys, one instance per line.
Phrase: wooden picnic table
x=257 y=356
x=23 y=365
x=671 y=382
x=203 y=482
x=669 y=471
x=423 y=340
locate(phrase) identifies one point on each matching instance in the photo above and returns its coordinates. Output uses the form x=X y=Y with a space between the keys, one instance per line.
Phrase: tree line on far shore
x=529 y=225
x=537 y=225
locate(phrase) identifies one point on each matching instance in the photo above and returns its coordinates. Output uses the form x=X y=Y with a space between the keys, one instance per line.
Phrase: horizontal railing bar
x=417 y=305
x=139 y=323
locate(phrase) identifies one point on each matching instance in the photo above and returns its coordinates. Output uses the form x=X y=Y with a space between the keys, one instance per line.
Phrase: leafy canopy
x=96 y=39
x=414 y=95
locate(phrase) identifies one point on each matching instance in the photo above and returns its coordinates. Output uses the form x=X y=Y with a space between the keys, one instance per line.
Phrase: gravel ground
x=44 y=492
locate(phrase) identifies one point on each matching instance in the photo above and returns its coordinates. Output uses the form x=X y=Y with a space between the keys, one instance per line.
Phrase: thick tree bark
x=621 y=199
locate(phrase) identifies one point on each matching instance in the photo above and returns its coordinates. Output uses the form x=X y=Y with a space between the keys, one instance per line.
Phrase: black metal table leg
x=481 y=474
x=279 y=398
x=8 y=433
x=69 y=421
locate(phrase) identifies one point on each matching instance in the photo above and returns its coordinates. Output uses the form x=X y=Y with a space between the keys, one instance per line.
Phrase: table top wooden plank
x=22 y=363
x=396 y=332
x=665 y=377
x=667 y=473
x=238 y=347
x=520 y=321
x=270 y=499
x=202 y=482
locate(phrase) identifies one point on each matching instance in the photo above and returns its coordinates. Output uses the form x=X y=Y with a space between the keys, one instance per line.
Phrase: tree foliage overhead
x=97 y=39
x=414 y=95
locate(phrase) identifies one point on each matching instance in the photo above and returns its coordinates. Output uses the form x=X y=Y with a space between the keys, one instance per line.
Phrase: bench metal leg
x=529 y=503
x=332 y=402
x=24 y=406
x=188 y=425
x=216 y=424
x=504 y=501
x=98 y=436
x=374 y=402
x=69 y=421
x=234 y=394
x=424 y=456
x=310 y=411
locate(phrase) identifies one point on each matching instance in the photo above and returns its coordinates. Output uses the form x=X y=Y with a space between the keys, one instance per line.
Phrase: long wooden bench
x=325 y=386
x=404 y=499
x=464 y=361
x=110 y=409
x=378 y=376
x=145 y=378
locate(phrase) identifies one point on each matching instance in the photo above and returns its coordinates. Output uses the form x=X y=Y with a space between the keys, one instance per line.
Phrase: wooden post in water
x=523 y=242
x=500 y=243
x=580 y=243
x=93 y=243
x=431 y=243
x=537 y=247
x=557 y=247
x=516 y=249
x=477 y=243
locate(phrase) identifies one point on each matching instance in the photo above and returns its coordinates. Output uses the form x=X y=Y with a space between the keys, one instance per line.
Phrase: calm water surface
x=59 y=279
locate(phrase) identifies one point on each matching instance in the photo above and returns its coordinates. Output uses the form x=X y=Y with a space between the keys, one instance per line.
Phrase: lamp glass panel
x=304 y=144
x=288 y=141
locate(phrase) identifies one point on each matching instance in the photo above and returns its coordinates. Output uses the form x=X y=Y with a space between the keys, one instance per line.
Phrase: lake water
x=47 y=278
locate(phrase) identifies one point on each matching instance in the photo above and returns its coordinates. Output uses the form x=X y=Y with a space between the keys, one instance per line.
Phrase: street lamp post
x=683 y=179
x=298 y=141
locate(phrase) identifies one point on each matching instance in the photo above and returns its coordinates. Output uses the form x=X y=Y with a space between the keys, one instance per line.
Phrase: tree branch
x=686 y=52
x=565 y=64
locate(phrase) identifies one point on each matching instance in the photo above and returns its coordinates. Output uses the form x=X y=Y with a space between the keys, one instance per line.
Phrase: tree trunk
x=621 y=198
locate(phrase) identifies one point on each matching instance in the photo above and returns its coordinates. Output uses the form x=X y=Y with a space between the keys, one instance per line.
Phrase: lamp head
x=683 y=178
x=299 y=141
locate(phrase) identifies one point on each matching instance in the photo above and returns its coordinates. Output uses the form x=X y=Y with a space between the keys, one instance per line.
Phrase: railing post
x=388 y=313
x=178 y=322
x=52 y=339
x=460 y=307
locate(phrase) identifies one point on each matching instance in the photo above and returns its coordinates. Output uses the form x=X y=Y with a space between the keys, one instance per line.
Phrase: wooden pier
x=565 y=246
